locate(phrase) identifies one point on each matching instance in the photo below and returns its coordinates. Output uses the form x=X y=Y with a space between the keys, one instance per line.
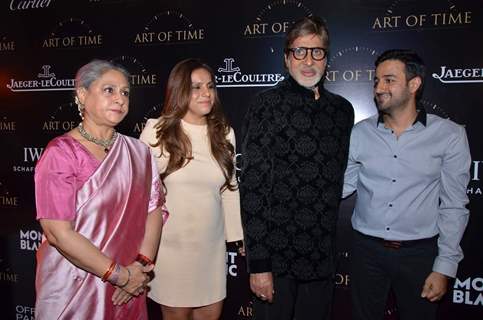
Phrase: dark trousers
x=299 y=300
x=376 y=268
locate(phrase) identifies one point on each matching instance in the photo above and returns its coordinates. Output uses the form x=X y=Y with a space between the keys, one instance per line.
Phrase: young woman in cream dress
x=194 y=147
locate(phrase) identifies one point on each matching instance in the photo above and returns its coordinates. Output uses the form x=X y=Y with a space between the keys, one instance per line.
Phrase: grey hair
x=306 y=26
x=92 y=71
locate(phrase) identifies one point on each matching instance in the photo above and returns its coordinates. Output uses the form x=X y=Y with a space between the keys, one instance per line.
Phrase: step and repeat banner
x=44 y=42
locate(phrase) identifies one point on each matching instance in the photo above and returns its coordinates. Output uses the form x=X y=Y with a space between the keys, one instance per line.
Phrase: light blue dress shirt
x=411 y=187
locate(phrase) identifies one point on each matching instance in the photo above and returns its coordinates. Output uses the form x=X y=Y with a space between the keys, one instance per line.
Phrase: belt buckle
x=392 y=244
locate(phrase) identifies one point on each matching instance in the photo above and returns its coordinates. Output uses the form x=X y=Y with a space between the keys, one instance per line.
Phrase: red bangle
x=108 y=272
x=142 y=259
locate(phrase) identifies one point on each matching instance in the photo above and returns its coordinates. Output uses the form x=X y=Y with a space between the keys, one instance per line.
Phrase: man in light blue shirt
x=410 y=170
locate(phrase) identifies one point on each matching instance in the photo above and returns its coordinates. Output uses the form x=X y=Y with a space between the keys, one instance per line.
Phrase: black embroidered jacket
x=295 y=152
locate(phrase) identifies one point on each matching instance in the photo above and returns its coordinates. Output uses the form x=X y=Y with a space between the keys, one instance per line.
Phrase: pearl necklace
x=107 y=144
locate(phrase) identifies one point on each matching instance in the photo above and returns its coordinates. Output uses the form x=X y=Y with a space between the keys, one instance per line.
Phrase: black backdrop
x=43 y=43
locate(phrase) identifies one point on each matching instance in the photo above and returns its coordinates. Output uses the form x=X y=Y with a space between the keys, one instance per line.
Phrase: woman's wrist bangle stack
x=142 y=259
x=109 y=271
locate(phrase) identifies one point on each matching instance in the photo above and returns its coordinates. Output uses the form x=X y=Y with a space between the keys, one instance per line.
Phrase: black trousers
x=376 y=268
x=295 y=299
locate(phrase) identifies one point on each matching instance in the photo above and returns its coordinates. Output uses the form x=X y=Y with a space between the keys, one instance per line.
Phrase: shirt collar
x=421 y=117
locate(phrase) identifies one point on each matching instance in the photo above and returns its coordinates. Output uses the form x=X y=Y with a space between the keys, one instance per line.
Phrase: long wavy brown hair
x=173 y=141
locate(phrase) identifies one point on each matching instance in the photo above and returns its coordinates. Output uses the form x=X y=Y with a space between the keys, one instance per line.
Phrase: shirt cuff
x=445 y=267
x=259 y=266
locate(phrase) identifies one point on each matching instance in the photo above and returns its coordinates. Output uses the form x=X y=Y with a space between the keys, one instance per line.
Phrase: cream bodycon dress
x=190 y=265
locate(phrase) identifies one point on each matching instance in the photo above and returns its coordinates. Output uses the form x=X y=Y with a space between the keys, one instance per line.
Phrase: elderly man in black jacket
x=295 y=148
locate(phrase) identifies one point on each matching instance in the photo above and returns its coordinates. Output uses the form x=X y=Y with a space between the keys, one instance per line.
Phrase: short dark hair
x=414 y=65
x=306 y=26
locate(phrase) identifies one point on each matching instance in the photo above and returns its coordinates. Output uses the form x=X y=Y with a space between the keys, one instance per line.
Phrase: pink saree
x=111 y=210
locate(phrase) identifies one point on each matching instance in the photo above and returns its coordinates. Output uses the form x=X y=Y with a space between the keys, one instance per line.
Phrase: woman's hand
x=133 y=282
x=137 y=279
x=240 y=244
x=120 y=297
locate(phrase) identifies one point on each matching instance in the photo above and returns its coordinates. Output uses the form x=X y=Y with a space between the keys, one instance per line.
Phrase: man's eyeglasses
x=300 y=53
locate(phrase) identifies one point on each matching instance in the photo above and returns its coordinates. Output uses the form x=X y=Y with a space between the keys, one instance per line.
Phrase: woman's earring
x=80 y=107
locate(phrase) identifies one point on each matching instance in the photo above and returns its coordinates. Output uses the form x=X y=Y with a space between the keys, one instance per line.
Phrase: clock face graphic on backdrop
x=396 y=6
x=3 y=189
x=350 y=73
x=173 y=18
x=132 y=64
x=169 y=27
x=434 y=108
x=71 y=27
x=64 y=118
x=283 y=9
x=72 y=33
x=272 y=21
x=8 y=200
x=153 y=112
x=6 y=44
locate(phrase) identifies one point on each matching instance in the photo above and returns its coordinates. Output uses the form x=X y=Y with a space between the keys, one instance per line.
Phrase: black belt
x=396 y=244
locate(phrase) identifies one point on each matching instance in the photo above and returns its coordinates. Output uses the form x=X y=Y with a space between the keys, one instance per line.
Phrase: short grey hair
x=92 y=71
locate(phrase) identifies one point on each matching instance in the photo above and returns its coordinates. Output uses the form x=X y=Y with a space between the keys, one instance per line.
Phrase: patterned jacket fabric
x=295 y=151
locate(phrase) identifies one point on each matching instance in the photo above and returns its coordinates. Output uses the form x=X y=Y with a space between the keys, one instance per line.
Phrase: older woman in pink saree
x=100 y=205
